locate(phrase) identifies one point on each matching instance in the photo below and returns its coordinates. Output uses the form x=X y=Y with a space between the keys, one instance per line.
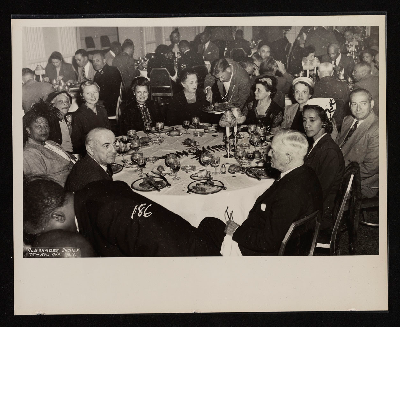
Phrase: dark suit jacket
x=289 y=199
x=345 y=62
x=330 y=87
x=83 y=121
x=189 y=60
x=66 y=71
x=109 y=79
x=211 y=53
x=126 y=66
x=370 y=83
x=33 y=91
x=121 y=223
x=239 y=44
x=326 y=159
x=239 y=89
x=363 y=147
x=86 y=170
x=131 y=117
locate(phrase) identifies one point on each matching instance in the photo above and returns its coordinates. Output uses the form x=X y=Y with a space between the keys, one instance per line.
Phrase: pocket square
x=263 y=207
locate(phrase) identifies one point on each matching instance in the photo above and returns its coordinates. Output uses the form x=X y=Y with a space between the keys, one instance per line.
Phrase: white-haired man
x=96 y=165
x=296 y=194
x=330 y=87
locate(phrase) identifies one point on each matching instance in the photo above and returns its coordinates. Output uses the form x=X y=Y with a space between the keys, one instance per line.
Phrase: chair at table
x=348 y=199
x=301 y=236
x=160 y=83
x=89 y=43
x=367 y=204
x=105 y=42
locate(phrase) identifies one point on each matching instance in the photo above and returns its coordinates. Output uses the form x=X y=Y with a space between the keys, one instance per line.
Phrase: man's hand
x=281 y=67
x=231 y=227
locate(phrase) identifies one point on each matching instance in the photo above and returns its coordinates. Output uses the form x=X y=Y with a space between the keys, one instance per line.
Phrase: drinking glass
x=170 y=158
x=135 y=144
x=215 y=161
x=240 y=154
x=186 y=124
x=175 y=166
x=195 y=123
x=159 y=128
x=141 y=162
x=131 y=134
x=147 y=127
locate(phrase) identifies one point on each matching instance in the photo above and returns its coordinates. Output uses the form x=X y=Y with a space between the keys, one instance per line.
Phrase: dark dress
x=326 y=159
x=297 y=123
x=272 y=118
x=83 y=121
x=180 y=110
x=133 y=117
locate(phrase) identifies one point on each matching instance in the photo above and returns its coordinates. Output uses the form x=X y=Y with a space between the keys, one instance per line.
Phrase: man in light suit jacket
x=339 y=60
x=233 y=82
x=96 y=164
x=359 y=140
x=85 y=67
x=207 y=49
x=295 y=195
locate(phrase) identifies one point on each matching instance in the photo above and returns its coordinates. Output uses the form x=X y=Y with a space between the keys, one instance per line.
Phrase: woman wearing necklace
x=187 y=103
x=140 y=108
x=264 y=110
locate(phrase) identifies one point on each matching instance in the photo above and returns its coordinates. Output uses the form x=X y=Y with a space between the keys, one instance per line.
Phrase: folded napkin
x=230 y=248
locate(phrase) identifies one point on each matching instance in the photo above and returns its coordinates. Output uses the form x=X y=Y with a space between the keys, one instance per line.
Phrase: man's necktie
x=109 y=170
x=83 y=74
x=349 y=133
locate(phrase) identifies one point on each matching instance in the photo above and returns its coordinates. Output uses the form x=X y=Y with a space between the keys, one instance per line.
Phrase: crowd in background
x=325 y=85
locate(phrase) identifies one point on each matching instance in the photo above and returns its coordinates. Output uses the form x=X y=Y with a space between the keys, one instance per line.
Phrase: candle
x=227 y=139
x=308 y=73
x=315 y=71
x=235 y=134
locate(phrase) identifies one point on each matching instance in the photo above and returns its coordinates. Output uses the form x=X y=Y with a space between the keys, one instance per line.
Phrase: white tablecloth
x=241 y=193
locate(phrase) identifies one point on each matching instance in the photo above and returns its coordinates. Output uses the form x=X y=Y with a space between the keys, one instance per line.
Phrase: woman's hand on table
x=231 y=227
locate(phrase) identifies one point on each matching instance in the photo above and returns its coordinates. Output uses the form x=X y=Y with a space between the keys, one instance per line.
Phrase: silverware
x=162 y=177
x=152 y=184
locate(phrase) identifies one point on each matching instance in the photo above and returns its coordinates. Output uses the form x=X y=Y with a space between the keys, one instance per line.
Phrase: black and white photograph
x=178 y=163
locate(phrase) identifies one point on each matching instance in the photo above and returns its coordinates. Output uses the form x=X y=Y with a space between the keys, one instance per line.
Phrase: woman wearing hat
x=61 y=127
x=41 y=155
x=324 y=155
x=303 y=89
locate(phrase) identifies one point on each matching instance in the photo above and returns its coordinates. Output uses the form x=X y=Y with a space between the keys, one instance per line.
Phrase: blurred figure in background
x=115 y=49
x=85 y=67
x=57 y=69
x=33 y=91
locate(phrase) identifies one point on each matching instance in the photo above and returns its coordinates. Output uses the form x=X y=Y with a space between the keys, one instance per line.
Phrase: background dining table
x=239 y=196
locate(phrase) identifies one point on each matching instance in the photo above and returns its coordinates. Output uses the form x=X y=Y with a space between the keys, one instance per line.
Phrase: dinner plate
x=142 y=187
x=169 y=133
x=212 y=111
x=202 y=188
x=197 y=178
x=257 y=172
x=116 y=168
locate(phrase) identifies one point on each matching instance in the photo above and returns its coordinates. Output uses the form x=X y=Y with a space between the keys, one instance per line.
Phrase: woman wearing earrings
x=88 y=116
x=324 y=155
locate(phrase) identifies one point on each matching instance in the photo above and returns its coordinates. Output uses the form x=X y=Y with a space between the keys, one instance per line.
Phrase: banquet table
x=240 y=194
